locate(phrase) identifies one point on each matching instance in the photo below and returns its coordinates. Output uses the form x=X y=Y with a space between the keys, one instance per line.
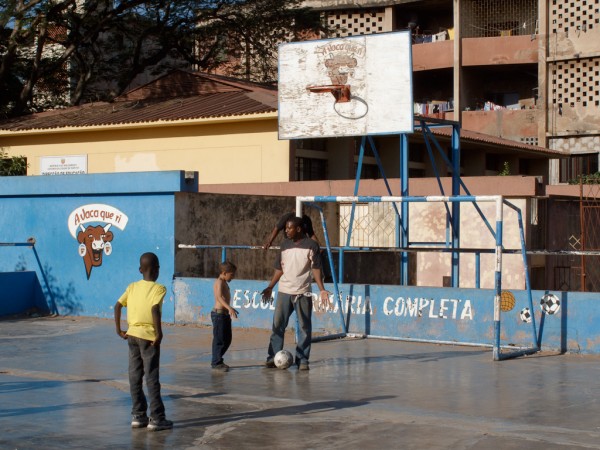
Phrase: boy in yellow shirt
x=143 y=300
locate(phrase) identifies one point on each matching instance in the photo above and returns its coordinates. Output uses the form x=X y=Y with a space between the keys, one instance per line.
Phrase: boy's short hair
x=227 y=267
x=150 y=259
x=296 y=221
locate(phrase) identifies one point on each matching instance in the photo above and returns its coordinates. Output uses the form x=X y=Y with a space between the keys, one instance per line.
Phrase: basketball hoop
x=341 y=92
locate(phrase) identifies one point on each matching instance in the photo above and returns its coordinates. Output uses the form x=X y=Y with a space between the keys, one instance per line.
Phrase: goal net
x=434 y=246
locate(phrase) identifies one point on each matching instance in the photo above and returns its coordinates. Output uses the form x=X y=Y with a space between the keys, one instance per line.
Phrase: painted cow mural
x=93 y=241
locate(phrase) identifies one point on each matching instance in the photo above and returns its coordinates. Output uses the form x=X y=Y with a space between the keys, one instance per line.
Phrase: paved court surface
x=63 y=385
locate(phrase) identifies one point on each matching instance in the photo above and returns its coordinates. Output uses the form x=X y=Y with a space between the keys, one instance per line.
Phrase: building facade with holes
x=524 y=70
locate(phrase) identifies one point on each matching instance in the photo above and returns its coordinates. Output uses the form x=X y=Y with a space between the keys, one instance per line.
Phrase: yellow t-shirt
x=139 y=298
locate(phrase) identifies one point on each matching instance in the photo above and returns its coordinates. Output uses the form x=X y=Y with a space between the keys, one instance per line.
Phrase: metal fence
x=489 y=18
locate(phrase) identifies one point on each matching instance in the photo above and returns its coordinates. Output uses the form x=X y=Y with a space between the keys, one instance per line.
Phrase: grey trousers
x=285 y=305
x=144 y=360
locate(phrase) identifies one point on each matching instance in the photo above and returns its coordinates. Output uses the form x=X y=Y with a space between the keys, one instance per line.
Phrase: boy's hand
x=122 y=334
x=233 y=312
x=266 y=295
x=156 y=342
x=324 y=296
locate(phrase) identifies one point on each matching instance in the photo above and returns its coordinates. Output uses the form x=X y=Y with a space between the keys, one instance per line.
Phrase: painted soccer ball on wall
x=550 y=304
x=525 y=315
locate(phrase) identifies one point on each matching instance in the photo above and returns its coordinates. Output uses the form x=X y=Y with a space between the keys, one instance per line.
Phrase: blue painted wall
x=21 y=292
x=421 y=313
x=142 y=205
x=41 y=207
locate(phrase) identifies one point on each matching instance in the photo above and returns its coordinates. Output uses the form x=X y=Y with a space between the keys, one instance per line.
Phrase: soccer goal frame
x=404 y=246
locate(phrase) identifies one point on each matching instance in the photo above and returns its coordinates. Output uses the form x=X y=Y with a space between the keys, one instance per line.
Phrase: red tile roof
x=182 y=95
x=179 y=95
x=492 y=141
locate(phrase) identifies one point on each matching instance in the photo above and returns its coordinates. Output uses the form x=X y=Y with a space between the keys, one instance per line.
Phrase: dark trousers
x=144 y=360
x=285 y=306
x=221 y=336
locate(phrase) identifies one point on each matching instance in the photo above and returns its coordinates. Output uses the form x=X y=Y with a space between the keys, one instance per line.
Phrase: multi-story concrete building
x=523 y=70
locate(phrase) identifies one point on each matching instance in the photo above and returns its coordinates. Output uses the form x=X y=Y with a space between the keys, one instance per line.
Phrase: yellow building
x=224 y=129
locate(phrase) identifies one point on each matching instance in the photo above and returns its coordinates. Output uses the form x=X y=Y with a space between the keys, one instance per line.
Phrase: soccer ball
x=283 y=359
x=525 y=315
x=550 y=304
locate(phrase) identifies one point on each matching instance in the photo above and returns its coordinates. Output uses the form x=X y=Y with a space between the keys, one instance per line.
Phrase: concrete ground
x=63 y=384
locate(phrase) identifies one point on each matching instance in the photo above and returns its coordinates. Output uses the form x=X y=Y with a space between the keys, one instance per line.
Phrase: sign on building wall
x=63 y=165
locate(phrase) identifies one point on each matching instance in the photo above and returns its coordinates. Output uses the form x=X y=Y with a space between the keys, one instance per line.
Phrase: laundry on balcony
x=427 y=38
x=441 y=36
x=434 y=108
x=491 y=106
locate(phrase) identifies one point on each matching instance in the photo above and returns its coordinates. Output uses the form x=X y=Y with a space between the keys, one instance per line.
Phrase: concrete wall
x=499 y=50
x=434 y=55
x=507 y=124
x=570 y=77
x=508 y=186
x=139 y=207
x=427 y=224
x=476 y=52
x=21 y=293
x=435 y=314
x=214 y=219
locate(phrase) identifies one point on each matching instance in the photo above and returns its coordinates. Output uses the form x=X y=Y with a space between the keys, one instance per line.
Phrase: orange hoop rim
x=326 y=87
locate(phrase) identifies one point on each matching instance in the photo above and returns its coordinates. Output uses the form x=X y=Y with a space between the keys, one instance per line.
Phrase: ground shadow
x=308 y=408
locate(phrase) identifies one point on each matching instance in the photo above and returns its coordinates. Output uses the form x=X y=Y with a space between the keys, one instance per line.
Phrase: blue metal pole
x=455 y=206
x=477 y=270
x=341 y=265
x=526 y=268
x=435 y=169
x=404 y=217
x=380 y=166
x=336 y=290
x=223 y=254
x=52 y=302
x=462 y=184
x=498 y=280
x=361 y=155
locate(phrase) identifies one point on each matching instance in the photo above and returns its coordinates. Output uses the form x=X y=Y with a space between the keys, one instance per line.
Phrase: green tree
x=15 y=165
x=505 y=169
x=55 y=52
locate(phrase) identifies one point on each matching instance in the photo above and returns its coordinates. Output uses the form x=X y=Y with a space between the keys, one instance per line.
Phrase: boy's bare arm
x=324 y=294
x=156 y=316
x=118 y=308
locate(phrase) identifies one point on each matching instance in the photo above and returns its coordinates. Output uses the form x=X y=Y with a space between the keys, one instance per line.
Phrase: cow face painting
x=93 y=241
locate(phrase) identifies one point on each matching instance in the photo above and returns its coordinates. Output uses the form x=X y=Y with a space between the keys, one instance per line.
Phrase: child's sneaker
x=270 y=364
x=158 y=425
x=221 y=367
x=139 y=421
x=303 y=366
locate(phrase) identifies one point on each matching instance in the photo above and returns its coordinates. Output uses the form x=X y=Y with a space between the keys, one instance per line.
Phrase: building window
x=311 y=169
x=317 y=144
x=575 y=166
x=368 y=171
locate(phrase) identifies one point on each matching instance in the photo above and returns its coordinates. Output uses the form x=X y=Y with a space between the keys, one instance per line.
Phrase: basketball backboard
x=354 y=86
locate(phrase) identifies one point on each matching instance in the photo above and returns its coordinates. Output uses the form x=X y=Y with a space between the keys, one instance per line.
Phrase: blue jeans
x=221 y=336
x=286 y=304
x=144 y=359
